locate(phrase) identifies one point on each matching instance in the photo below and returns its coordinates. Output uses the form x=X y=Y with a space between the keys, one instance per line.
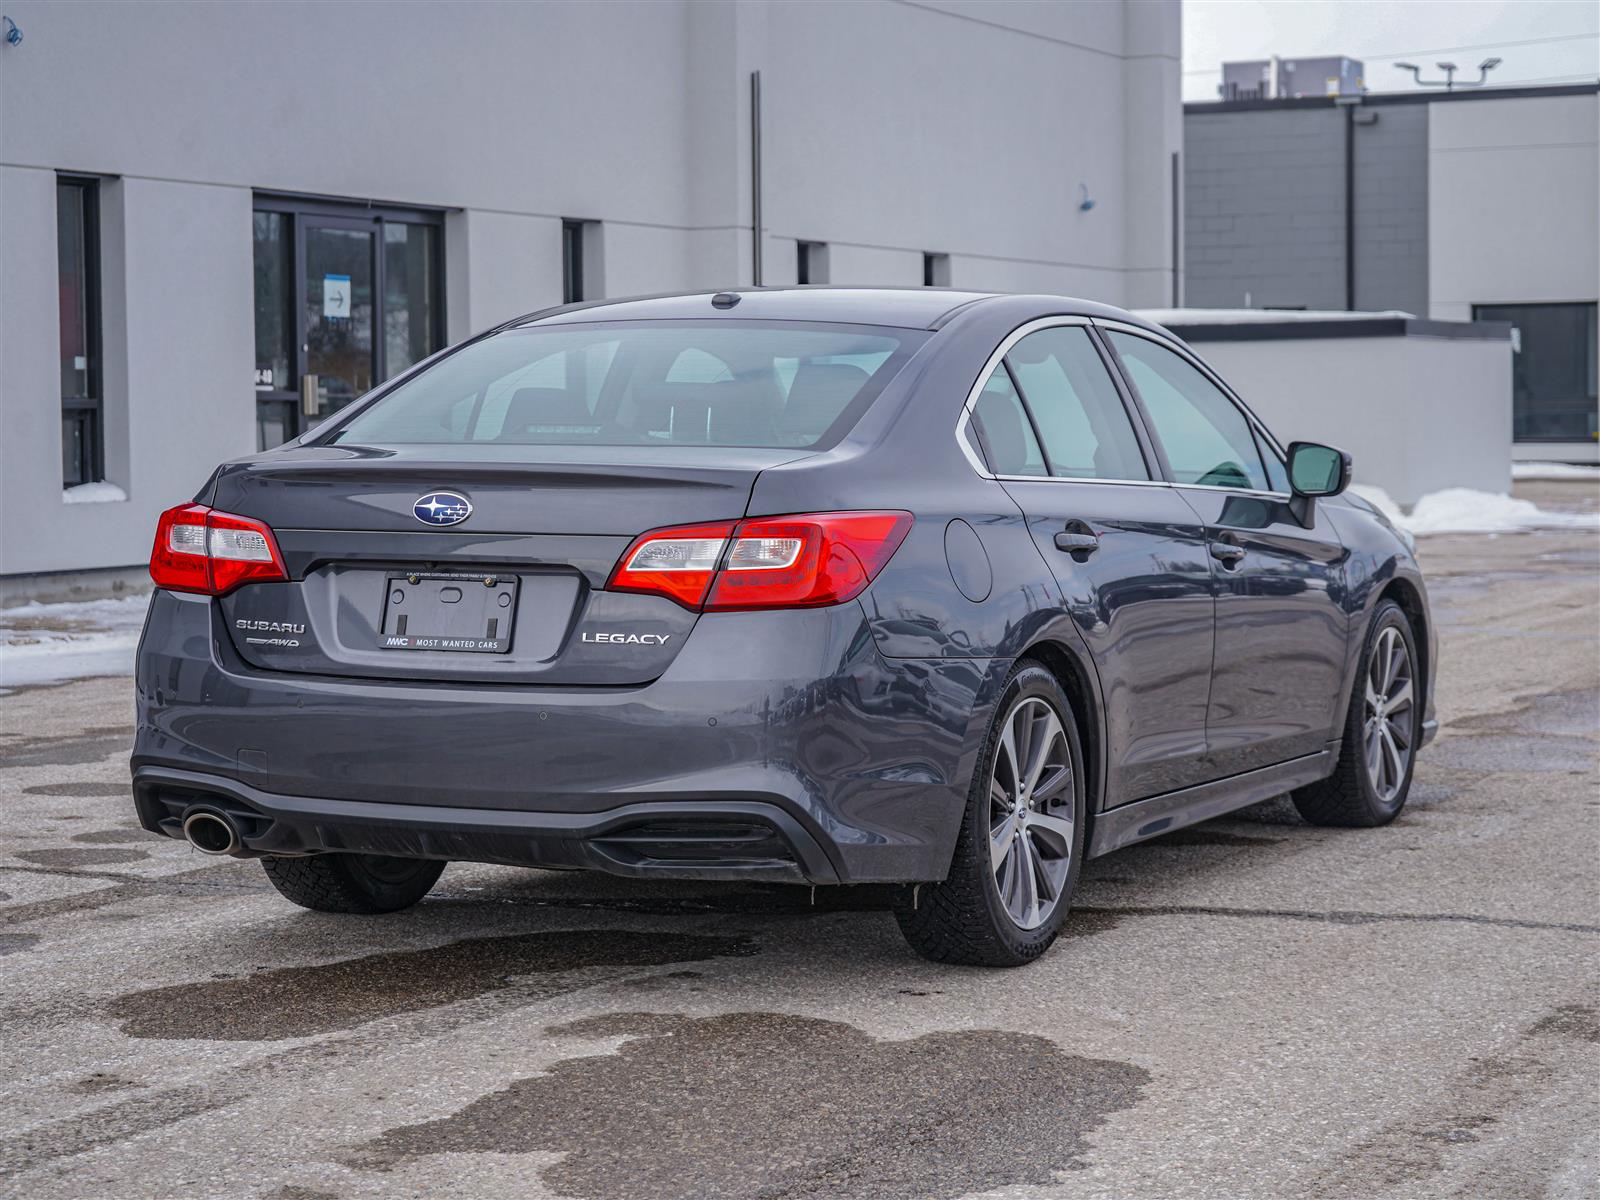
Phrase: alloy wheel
x=1390 y=717
x=1031 y=812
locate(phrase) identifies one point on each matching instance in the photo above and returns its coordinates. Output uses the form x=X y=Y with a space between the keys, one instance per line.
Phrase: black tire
x=353 y=883
x=964 y=919
x=1349 y=797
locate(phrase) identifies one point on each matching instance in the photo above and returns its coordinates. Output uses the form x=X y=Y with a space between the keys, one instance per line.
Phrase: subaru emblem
x=442 y=508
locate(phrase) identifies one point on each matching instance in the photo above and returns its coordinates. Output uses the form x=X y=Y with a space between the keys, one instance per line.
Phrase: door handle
x=310 y=395
x=1078 y=540
x=1227 y=553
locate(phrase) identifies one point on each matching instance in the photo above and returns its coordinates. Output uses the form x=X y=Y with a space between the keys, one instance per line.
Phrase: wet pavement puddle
x=288 y=1002
x=769 y=1104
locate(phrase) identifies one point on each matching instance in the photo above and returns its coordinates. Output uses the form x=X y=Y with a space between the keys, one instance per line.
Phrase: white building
x=1460 y=206
x=221 y=219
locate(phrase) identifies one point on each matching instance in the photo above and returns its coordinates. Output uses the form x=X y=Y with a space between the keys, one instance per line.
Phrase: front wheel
x=1020 y=848
x=1368 y=787
x=353 y=883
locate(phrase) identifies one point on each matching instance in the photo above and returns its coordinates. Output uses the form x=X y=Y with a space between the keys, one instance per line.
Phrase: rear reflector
x=199 y=549
x=804 y=561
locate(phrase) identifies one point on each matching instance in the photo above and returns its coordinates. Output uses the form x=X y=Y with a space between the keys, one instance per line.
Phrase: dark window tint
x=644 y=383
x=78 y=297
x=1206 y=437
x=1081 y=419
x=1003 y=423
x=1553 y=369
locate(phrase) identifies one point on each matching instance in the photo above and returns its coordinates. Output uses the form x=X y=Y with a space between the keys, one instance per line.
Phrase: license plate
x=457 y=612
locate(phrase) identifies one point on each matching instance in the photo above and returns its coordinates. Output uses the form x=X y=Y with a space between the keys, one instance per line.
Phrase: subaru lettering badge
x=442 y=508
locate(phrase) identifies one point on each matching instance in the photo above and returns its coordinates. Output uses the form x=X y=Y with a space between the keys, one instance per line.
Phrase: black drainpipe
x=1349 y=202
x=755 y=177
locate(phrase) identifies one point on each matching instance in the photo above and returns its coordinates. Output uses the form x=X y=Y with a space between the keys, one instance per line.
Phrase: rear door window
x=1085 y=428
x=1004 y=426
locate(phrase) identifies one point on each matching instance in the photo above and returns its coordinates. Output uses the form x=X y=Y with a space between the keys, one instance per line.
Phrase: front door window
x=344 y=300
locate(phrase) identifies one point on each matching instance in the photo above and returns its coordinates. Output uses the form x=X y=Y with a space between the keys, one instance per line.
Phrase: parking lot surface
x=1251 y=1007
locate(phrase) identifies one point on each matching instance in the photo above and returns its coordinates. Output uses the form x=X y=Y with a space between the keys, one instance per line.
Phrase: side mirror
x=1315 y=470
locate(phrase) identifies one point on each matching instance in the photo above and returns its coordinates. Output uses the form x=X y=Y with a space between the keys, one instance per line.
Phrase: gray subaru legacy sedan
x=818 y=586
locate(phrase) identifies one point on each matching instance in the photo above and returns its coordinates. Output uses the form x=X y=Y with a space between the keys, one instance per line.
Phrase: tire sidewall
x=1030 y=680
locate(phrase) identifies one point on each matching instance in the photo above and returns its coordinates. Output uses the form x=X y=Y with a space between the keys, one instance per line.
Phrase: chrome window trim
x=964 y=422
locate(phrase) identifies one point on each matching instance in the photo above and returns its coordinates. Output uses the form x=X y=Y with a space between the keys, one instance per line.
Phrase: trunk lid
x=527 y=567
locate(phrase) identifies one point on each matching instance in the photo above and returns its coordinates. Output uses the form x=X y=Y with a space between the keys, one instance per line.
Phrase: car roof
x=911 y=307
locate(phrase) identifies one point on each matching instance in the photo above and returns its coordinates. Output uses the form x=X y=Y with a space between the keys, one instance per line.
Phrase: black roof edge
x=1379 y=99
x=1270 y=331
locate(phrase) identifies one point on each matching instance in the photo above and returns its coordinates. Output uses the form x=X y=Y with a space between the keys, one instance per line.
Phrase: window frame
x=1155 y=454
x=88 y=411
x=968 y=441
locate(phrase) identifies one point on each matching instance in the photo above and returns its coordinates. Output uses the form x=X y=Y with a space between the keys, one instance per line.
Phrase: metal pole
x=1177 y=245
x=755 y=177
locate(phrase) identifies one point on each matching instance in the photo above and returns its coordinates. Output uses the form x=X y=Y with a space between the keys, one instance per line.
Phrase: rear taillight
x=199 y=549
x=803 y=561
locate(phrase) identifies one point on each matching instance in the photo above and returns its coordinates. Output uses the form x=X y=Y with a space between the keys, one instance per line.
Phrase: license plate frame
x=454 y=612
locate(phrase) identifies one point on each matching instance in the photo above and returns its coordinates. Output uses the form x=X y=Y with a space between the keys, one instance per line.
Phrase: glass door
x=345 y=298
x=339 y=307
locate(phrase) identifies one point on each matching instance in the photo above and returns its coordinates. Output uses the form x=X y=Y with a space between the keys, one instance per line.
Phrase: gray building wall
x=1391 y=158
x=889 y=129
x=1264 y=209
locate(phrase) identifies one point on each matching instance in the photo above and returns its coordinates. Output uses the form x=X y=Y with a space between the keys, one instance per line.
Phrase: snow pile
x=1553 y=470
x=43 y=643
x=1465 y=510
x=93 y=493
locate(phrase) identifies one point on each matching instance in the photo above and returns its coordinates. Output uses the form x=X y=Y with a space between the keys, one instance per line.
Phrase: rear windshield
x=718 y=383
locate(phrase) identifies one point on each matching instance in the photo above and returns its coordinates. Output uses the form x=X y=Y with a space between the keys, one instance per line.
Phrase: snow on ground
x=44 y=643
x=1464 y=510
x=93 y=493
x=1553 y=470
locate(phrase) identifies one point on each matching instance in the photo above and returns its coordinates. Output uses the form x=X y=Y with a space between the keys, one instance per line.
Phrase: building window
x=811 y=262
x=1553 y=369
x=572 y=239
x=935 y=269
x=78 y=264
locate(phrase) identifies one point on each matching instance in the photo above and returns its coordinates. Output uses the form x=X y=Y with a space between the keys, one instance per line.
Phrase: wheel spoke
x=1001 y=837
x=1375 y=757
x=1399 y=733
x=1045 y=735
x=1008 y=754
x=1055 y=779
x=1392 y=761
x=1043 y=884
x=1400 y=697
x=1392 y=667
x=1054 y=830
x=1030 y=887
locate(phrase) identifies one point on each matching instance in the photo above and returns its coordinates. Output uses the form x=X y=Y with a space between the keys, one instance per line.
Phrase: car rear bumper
x=781 y=744
x=728 y=839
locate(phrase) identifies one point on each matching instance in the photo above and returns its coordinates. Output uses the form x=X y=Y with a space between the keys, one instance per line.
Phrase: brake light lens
x=804 y=561
x=676 y=563
x=199 y=549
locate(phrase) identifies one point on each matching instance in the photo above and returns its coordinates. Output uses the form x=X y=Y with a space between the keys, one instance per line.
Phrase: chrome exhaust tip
x=211 y=832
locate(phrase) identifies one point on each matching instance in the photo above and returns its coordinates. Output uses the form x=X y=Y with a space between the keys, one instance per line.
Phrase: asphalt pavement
x=1249 y=1008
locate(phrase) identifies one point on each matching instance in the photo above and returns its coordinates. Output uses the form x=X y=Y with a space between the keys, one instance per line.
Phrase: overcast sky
x=1541 y=41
